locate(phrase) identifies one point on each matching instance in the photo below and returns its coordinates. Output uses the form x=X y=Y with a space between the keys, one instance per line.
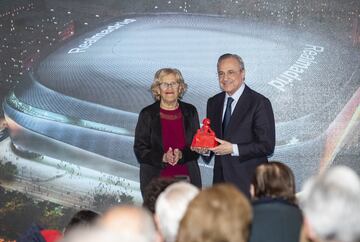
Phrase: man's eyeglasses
x=230 y=73
x=164 y=85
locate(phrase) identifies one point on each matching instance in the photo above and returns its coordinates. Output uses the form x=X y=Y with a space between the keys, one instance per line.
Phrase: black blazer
x=252 y=128
x=148 y=145
x=275 y=220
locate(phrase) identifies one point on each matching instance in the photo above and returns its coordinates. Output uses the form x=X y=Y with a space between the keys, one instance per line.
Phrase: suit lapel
x=157 y=124
x=217 y=122
x=186 y=123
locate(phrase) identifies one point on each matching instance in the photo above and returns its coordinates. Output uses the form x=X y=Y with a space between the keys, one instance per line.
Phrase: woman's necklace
x=169 y=107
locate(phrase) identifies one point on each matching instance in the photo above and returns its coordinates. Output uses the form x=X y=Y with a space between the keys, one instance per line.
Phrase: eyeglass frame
x=165 y=85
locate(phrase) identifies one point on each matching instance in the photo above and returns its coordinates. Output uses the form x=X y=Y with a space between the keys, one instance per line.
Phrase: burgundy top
x=173 y=135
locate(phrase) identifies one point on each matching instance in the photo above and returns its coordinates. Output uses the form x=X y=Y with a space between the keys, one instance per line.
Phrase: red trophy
x=204 y=137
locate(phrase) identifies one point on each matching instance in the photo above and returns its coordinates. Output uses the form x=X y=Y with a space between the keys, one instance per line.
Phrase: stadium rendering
x=81 y=102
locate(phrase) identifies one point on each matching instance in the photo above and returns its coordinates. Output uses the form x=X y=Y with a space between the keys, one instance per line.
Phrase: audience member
x=94 y=234
x=171 y=206
x=276 y=216
x=331 y=205
x=219 y=213
x=37 y=234
x=82 y=218
x=153 y=190
x=130 y=223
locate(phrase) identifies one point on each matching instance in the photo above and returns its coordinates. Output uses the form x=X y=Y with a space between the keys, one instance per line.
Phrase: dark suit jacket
x=252 y=128
x=275 y=220
x=148 y=145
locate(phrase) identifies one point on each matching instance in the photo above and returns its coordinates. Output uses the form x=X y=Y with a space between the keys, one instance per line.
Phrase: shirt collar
x=236 y=94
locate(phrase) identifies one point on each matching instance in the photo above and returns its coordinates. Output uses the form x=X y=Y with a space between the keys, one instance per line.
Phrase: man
x=171 y=206
x=331 y=206
x=130 y=223
x=244 y=125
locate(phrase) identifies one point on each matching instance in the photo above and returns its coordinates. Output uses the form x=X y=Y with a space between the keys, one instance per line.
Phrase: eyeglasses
x=230 y=73
x=164 y=85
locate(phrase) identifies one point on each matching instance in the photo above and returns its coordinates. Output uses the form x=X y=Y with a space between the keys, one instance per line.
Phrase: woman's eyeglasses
x=164 y=85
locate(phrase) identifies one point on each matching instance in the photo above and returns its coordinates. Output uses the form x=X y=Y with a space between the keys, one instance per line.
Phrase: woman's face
x=169 y=89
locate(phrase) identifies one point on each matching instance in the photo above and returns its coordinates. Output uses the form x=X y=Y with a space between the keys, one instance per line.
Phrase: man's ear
x=159 y=236
x=308 y=231
x=243 y=74
x=252 y=191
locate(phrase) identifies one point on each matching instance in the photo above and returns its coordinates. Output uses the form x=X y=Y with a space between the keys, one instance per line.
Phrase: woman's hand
x=168 y=157
x=172 y=156
x=177 y=156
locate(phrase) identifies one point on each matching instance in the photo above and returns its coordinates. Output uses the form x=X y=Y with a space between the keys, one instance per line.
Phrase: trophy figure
x=204 y=137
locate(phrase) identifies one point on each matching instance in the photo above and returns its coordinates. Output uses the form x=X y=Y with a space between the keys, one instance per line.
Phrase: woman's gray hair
x=164 y=72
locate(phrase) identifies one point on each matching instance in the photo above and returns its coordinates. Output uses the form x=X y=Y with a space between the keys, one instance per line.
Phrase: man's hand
x=224 y=148
x=199 y=150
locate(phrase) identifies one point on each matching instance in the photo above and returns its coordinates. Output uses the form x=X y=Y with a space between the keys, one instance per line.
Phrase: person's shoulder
x=187 y=106
x=150 y=108
x=255 y=94
x=218 y=96
x=273 y=202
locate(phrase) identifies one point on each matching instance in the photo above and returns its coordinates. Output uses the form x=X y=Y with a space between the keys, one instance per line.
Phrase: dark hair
x=81 y=218
x=153 y=190
x=274 y=179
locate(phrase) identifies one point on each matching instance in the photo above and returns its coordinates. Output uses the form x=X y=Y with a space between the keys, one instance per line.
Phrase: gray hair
x=130 y=222
x=234 y=56
x=331 y=204
x=171 y=206
x=164 y=72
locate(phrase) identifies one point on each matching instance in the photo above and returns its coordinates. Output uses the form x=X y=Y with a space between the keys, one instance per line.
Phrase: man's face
x=230 y=74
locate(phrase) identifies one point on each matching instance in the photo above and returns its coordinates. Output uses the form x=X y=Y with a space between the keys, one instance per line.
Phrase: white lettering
x=88 y=42
x=75 y=50
x=306 y=58
x=314 y=47
x=278 y=84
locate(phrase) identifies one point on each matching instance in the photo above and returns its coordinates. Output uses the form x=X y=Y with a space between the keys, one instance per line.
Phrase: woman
x=276 y=215
x=164 y=132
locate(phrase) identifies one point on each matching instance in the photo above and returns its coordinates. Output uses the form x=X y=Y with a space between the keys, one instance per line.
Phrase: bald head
x=131 y=222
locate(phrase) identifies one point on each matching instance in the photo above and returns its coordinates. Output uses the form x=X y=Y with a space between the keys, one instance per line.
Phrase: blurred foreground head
x=219 y=213
x=82 y=218
x=171 y=206
x=118 y=224
x=130 y=223
x=331 y=205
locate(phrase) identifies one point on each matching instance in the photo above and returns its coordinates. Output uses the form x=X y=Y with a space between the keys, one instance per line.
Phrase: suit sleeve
x=263 y=130
x=188 y=154
x=143 y=149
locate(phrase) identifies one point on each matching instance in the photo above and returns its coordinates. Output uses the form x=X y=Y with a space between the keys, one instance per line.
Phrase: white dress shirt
x=236 y=97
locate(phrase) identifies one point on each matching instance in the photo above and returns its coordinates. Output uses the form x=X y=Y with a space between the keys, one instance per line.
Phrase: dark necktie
x=227 y=114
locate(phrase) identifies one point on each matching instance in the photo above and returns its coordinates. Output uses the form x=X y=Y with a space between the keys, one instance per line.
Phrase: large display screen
x=75 y=74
